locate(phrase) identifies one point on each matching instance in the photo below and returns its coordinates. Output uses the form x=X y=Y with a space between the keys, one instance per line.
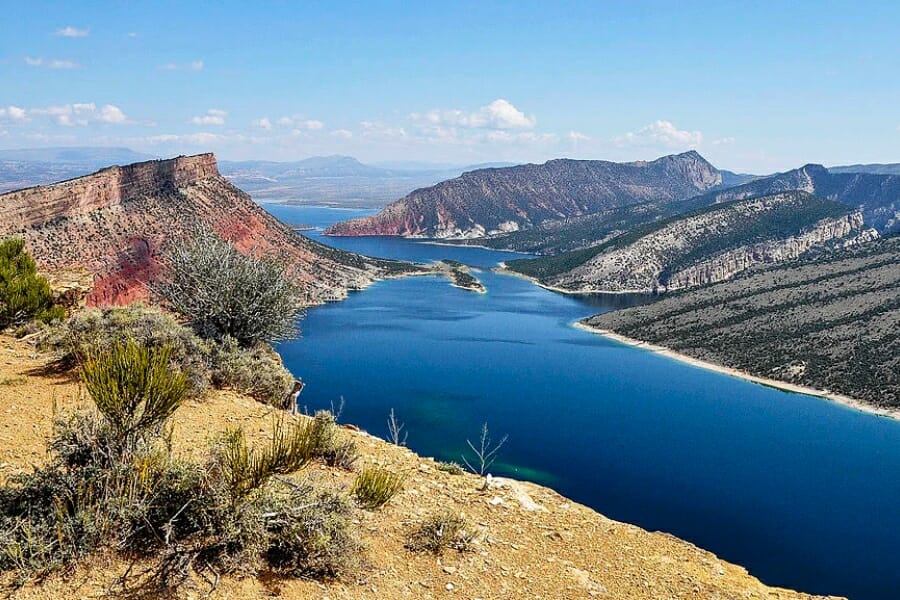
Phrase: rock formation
x=490 y=201
x=705 y=246
x=114 y=224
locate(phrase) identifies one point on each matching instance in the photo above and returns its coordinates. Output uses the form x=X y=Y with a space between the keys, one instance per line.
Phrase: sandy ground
x=775 y=383
x=531 y=543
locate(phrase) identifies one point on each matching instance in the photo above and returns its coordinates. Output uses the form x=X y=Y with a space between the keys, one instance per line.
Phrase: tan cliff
x=530 y=542
x=115 y=223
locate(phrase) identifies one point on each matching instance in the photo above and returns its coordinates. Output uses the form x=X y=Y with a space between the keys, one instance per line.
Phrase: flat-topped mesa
x=105 y=188
x=112 y=227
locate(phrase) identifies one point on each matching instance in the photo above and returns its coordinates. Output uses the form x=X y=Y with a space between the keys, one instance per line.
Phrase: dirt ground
x=531 y=543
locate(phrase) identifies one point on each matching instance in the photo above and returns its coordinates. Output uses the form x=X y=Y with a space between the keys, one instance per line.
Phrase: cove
x=802 y=492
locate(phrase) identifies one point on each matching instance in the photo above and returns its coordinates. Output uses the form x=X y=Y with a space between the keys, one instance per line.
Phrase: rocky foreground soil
x=531 y=542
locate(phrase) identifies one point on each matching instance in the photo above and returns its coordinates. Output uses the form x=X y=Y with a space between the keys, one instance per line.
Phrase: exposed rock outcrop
x=115 y=222
x=490 y=201
x=704 y=246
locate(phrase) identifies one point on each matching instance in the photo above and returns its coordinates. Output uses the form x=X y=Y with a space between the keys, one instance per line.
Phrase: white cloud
x=577 y=136
x=499 y=114
x=263 y=123
x=342 y=133
x=13 y=113
x=48 y=63
x=81 y=114
x=197 y=65
x=132 y=34
x=300 y=123
x=723 y=141
x=382 y=130
x=660 y=133
x=111 y=114
x=196 y=139
x=213 y=116
x=72 y=32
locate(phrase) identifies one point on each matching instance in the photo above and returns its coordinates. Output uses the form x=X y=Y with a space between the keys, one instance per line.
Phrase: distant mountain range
x=874 y=169
x=321 y=180
x=334 y=180
x=647 y=226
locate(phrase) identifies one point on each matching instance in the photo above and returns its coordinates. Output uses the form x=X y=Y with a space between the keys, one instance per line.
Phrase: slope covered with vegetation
x=829 y=321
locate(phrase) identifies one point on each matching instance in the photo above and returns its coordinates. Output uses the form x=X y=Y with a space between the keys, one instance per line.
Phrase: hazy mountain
x=103 y=156
x=334 y=180
x=38 y=166
x=874 y=169
x=486 y=201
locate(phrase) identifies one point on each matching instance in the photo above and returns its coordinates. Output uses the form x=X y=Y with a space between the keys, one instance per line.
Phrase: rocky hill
x=112 y=225
x=830 y=321
x=489 y=201
x=704 y=246
x=876 y=195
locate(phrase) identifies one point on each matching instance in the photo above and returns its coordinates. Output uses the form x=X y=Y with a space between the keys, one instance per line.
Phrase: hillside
x=489 y=201
x=830 y=321
x=109 y=228
x=877 y=196
x=704 y=246
x=530 y=542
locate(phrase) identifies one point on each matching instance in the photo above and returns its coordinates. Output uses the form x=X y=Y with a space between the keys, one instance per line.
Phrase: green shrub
x=374 y=487
x=453 y=468
x=256 y=371
x=112 y=483
x=224 y=293
x=441 y=531
x=24 y=295
x=92 y=330
x=314 y=540
x=134 y=388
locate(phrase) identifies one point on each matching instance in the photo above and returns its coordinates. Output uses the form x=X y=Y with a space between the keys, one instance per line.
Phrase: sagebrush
x=224 y=293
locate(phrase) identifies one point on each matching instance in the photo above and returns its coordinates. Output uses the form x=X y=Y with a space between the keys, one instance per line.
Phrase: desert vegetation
x=24 y=294
x=112 y=483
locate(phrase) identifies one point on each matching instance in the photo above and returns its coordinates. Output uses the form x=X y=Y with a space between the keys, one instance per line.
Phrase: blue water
x=803 y=492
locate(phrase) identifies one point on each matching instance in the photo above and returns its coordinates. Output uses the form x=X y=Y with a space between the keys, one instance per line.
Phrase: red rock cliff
x=114 y=223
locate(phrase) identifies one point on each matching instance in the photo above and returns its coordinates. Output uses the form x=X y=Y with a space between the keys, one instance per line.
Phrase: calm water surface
x=802 y=492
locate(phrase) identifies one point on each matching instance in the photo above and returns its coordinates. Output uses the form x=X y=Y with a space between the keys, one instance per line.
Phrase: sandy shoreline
x=774 y=383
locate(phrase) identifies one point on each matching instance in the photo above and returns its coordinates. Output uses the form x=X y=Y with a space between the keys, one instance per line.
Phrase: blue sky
x=754 y=86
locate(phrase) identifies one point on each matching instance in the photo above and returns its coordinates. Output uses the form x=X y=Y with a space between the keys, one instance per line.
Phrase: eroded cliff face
x=714 y=245
x=491 y=201
x=728 y=264
x=115 y=223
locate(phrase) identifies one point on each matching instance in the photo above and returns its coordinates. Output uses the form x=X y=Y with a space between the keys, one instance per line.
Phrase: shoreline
x=846 y=401
x=502 y=269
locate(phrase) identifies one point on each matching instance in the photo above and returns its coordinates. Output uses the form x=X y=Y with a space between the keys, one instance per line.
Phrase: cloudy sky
x=755 y=87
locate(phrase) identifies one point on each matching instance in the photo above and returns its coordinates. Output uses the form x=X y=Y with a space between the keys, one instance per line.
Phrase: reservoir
x=802 y=492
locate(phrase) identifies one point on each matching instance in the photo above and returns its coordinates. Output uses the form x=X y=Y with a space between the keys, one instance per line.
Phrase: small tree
x=24 y=294
x=224 y=293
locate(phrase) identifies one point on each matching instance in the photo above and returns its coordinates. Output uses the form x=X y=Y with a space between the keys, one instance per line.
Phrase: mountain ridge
x=494 y=200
